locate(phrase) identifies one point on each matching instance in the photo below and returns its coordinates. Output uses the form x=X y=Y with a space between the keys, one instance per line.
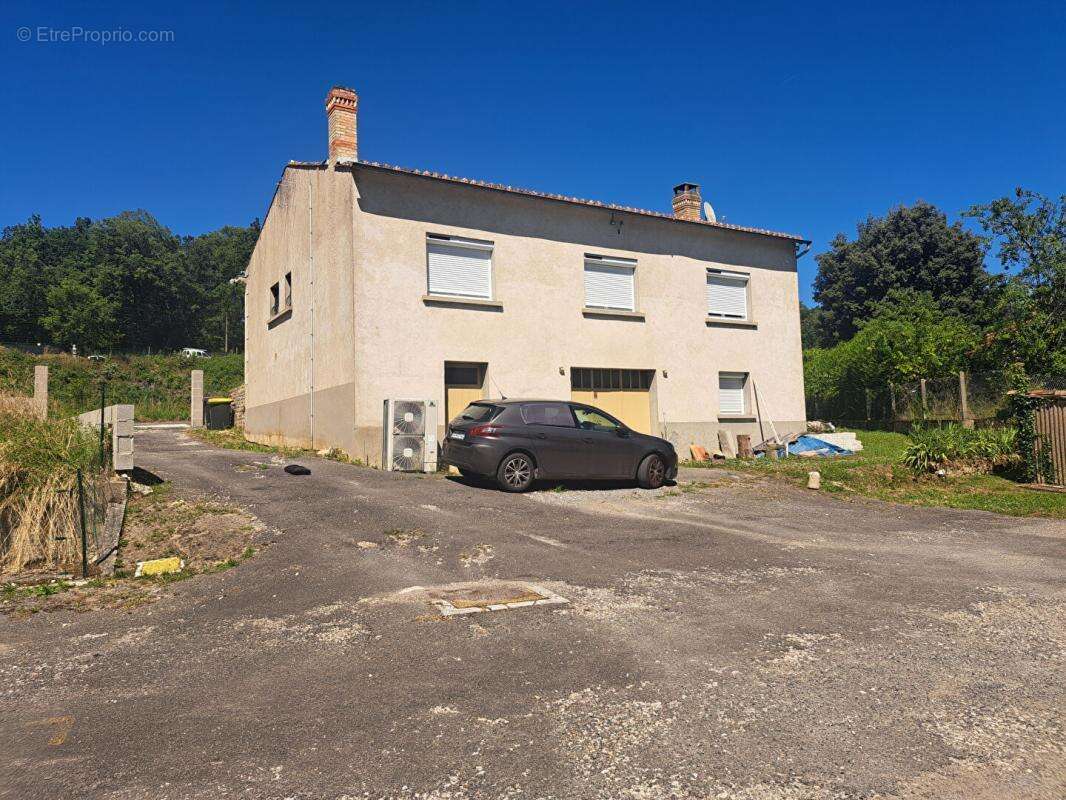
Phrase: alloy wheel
x=656 y=471
x=517 y=471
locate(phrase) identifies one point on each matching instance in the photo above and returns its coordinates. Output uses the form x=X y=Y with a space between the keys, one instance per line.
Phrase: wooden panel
x=631 y=406
x=459 y=397
x=1051 y=423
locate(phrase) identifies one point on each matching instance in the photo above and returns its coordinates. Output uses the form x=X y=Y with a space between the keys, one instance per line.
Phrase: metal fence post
x=84 y=537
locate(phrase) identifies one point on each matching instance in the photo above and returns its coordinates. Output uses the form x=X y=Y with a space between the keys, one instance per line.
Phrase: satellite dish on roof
x=708 y=212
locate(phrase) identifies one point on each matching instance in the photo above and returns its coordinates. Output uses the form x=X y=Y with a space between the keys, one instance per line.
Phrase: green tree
x=1027 y=322
x=79 y=315
x=910 y=248
x=811 y=326
x=908 y=337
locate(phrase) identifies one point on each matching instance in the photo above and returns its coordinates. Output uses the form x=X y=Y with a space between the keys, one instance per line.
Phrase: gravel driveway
x=741 y=640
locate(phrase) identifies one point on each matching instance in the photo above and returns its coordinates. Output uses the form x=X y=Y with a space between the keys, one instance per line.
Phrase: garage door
x=622 y=393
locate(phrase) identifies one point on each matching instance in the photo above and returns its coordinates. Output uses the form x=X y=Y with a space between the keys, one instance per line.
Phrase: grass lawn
x=876 y=472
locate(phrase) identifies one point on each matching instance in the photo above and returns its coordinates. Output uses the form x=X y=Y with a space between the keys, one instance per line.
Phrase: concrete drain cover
x=497 y=596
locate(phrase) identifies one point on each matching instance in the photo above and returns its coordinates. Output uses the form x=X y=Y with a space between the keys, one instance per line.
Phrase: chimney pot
x=687 y=201
x=342 y=104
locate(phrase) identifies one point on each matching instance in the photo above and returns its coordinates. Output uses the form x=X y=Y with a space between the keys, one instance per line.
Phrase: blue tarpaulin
x=812 y=444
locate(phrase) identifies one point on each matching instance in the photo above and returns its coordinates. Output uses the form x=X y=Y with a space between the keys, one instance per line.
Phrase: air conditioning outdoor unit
x=409 y=436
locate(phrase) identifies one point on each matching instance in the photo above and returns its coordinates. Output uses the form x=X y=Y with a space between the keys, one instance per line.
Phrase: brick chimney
x=341 y=106
x=687 y=201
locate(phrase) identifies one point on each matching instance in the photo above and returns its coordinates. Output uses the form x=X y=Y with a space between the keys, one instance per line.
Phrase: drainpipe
x=311 y=270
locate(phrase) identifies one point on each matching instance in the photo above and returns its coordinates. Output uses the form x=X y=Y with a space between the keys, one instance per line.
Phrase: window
x=462 y=375
x=459 y=267
x=727 y=294
x=555 y=414
x=731 y=392
x=606 y=379
x=589 y=420
x=274 y=299
x=609 y=283
x=288 y=290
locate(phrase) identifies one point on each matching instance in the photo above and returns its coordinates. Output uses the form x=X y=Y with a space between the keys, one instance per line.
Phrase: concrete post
x=122 y=438
x=196 y=405
x=925 y=402
x=40 y=391
x=964 y=401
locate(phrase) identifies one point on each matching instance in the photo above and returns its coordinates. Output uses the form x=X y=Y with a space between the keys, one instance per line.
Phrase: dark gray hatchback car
x=517 y=442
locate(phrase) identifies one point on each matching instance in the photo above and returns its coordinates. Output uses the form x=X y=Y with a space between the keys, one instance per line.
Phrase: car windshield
x=476 y=412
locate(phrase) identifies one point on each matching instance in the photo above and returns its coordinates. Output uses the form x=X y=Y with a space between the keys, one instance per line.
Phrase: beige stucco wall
x=375 y=332
x=310 y=213
x=538 y=261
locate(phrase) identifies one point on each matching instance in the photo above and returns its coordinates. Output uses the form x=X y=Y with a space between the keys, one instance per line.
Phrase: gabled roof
x=499 y=187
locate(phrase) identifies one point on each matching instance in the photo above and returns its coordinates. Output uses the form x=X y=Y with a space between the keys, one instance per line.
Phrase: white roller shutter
x=460 y=269
x=609 y=286
x=727 y=295
x=731 y=392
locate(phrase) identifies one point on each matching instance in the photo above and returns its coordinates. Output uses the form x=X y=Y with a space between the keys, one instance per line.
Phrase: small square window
x=732 y=390
x=275 y=298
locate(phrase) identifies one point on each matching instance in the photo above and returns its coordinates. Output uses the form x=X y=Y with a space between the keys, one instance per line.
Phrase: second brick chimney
x=341 y=106
x=687 y=201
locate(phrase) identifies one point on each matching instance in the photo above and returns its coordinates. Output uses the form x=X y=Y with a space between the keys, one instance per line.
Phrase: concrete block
x=725 y=444
x=196 y=400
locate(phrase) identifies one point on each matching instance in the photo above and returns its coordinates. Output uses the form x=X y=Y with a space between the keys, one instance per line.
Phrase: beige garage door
x=463 y=384
x=622 y=393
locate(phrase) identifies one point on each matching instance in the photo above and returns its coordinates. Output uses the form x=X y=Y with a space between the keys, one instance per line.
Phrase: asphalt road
x=743 y=640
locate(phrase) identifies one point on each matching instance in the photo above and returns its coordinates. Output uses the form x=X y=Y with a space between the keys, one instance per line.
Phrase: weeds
x=38 y=508
x=967 y=449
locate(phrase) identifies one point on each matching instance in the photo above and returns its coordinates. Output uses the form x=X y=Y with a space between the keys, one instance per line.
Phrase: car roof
x=514 y=401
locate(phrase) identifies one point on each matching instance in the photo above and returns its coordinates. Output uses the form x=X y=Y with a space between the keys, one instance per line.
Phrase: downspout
x=311 y=270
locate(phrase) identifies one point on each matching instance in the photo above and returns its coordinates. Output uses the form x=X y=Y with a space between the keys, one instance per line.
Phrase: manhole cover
x=475 y=598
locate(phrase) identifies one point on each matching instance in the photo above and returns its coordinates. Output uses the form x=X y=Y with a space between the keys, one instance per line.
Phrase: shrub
x=978 y=450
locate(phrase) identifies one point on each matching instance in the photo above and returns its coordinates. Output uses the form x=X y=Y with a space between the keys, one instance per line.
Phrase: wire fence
x=970 y=398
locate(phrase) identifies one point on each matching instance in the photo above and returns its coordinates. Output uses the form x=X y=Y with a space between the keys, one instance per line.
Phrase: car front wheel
x=515 y=473
x=652 y=472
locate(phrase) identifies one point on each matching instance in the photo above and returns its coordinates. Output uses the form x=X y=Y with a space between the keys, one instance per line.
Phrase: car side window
x=555 y=414
x=590 y=420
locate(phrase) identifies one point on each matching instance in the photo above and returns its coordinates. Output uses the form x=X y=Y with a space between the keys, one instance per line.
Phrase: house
x=371 y=281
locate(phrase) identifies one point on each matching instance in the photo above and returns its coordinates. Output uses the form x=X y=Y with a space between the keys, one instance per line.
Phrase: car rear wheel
x=652 y=472
x=515 y=473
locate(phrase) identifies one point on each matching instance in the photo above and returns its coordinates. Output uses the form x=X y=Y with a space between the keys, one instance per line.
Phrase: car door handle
x=586 y=439
x=542 y=436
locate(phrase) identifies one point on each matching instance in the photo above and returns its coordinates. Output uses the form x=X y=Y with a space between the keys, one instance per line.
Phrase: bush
x=968 y=449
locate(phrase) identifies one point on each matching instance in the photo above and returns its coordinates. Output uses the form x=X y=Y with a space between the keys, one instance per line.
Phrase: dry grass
x=39 y=460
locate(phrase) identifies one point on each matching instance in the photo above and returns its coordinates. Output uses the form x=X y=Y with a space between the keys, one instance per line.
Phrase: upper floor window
x=727 y=294
x=610 y=283
x=459 y=267
x=288 y=290
x=275 y=299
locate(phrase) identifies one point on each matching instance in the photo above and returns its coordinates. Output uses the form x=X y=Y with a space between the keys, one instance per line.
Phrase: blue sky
x=794 y=116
